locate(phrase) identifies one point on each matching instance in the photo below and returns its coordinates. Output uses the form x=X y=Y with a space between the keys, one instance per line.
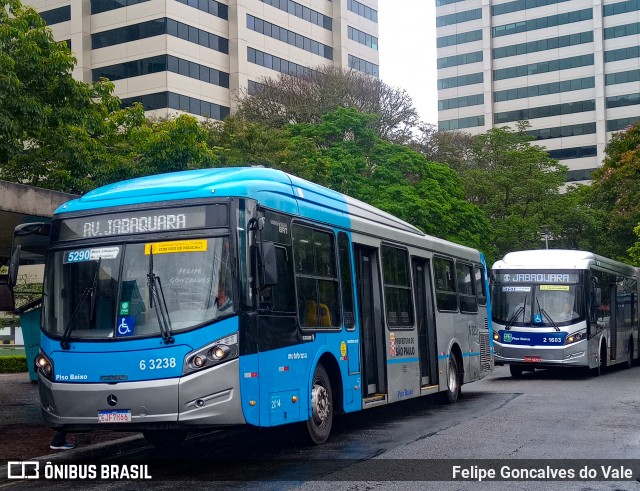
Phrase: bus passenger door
x=426 y=322
x=613 y=321
x=371 y=326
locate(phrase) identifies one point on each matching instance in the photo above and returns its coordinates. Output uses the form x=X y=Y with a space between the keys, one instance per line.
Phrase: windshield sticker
x=516 y=288
x=124 y=308
x=555 y=288
x=125 y=326
x=91 y=254
x=176 y=246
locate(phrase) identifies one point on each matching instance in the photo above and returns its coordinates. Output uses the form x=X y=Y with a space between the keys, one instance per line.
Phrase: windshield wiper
x=516 y=314
x=156 y=293
x=544 y=312
x=90 y=293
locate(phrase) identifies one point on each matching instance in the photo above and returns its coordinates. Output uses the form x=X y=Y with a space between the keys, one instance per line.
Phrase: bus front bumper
x=203 y=399
x=542 y=356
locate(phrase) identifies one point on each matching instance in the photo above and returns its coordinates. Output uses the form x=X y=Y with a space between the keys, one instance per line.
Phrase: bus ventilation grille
x=485 y=352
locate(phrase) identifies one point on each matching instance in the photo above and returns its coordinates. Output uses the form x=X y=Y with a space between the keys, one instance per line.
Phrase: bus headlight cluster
x=44 y=365
x=496 y=336
x=221 y=350
x=574 y=337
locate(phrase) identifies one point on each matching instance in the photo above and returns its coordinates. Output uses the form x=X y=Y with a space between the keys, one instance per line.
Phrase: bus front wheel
x=319 y=425
x=516 y=371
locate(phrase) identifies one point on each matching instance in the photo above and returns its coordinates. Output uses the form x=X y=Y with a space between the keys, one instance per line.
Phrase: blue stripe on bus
x=402 y=360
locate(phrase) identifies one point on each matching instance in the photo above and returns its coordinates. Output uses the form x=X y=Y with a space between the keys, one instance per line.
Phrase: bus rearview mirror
x=269 y=265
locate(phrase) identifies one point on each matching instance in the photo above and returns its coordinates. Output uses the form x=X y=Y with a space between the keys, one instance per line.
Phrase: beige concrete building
x=569 y=67
x=197 y=55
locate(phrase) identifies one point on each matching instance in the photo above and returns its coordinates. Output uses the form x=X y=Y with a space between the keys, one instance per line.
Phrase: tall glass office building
x=197 y=55
x=569 y=67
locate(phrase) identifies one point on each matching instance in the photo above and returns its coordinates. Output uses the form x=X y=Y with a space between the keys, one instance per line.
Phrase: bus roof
x=272 y=188
x=560 y=259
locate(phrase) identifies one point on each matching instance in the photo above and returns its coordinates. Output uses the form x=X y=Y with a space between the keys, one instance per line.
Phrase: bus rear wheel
x=516 y=371
x=319 y=425
x=453 y=381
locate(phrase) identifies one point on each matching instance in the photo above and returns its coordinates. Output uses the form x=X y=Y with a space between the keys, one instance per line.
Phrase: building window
x=544 y=111
x=544 y=89
x=316 y=277
x=623 y=100
x=363 y=38
x=289 y=37
x=573 y=153
x=622 y=54
x=171 y=100
x=301 y=12
x=622 y=77
x=470 y=100
x=274 y=63
x=209 y=6
x=461 y=38
x=461 y=123
x=621 y=31
x=620 y=8
x=159 y=27
x=579 y=175
x=364 y=66
x=458 y=17
x=362 y=10
x=56 y=16
x=463 y=59
x=563 y=131
x=505 y=8
x=622 y=123
x=448 y=83
x=542 y=23
x=543 y=67
x=543 y=45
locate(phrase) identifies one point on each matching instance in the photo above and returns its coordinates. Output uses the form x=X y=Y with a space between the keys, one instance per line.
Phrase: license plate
x=115 y=416
x=532 y=359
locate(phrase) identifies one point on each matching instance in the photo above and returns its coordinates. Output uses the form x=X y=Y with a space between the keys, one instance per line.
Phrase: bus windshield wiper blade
x=156 y=293
x=90 y=293
x=513 y=318
x=548 y=317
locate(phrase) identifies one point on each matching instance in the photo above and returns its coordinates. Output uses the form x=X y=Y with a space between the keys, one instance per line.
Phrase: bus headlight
x=221 y=350
x=496 y=336
x=574 y=337
x=44 y=365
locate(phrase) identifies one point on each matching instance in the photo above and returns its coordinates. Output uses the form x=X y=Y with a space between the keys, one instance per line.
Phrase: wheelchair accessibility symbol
x=125 y=326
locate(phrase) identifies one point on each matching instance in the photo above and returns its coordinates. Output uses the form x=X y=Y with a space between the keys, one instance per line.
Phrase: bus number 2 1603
x=157 y=363
x=552 y=340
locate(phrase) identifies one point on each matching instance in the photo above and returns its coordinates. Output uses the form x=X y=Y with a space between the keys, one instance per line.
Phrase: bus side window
x=280 y=297
x=481 y=291
x=466 y=288
x=445 y=282
x=346 y=279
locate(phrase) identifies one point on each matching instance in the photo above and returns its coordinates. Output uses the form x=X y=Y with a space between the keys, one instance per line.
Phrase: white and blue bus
x=562 y=308
x=236 y=296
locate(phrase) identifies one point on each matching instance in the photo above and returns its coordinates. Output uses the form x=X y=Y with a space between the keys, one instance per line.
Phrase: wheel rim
x=453 y=377
x=320 y=404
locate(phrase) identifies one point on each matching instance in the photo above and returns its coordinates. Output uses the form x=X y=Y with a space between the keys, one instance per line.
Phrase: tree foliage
x=517 y=186
x=616 y=192
x=454 y=148
x=39 y=100
x=306 y=97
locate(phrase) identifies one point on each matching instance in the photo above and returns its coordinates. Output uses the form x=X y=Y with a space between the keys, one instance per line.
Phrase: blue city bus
x=222 y=297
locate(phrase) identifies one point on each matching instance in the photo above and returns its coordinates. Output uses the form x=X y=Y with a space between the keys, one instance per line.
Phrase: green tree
x=634 y=250
x=616 y=192
x=392 y=177
x=39 y=99
x=516 y=185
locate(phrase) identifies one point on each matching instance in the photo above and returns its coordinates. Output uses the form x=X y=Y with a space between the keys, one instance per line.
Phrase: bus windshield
x=538 y=305
x=104 y=292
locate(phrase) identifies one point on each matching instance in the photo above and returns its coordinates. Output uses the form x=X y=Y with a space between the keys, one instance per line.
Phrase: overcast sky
x=407 y=44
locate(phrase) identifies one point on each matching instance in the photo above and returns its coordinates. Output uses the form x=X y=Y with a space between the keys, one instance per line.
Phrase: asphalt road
x=562 y=419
